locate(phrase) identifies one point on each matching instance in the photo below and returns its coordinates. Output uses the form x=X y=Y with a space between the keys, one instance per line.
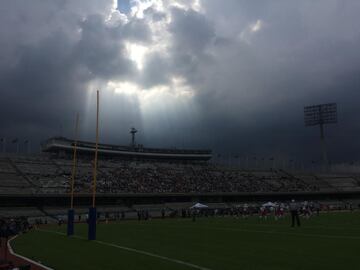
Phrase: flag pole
x=92 y=209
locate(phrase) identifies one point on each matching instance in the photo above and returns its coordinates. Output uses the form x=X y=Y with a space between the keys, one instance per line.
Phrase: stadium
x=182 y=134
x=154 y=192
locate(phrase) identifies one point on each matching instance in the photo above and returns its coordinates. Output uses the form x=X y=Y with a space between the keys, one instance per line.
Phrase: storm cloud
x=232 y=75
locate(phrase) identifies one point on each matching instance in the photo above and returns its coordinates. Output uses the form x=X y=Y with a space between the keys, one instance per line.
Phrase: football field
x=330 y=241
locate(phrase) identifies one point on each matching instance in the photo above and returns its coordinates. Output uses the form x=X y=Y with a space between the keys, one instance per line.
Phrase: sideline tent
x=269 y=204
x=199 y=205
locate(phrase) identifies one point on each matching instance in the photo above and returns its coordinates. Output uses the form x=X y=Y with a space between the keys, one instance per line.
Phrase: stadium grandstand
x=129 y=176
x=138 y=183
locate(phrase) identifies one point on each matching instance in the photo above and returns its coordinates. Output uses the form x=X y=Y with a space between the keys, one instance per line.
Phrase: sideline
x=12 y=252
x=134 y=250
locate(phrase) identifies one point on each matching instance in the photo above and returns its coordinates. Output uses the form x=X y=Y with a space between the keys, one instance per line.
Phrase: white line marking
x=12 y=252
x=153 y=255
x=135 y=251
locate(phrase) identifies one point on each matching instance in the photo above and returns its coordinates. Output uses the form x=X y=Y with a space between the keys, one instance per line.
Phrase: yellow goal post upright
x=71 y=211
x=92 y=209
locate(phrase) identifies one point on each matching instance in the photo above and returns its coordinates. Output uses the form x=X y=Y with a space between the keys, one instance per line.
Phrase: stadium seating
x=341 y=182
x=43 y=175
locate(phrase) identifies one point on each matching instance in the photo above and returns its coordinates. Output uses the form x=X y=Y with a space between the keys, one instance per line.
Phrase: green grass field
x=331 y=241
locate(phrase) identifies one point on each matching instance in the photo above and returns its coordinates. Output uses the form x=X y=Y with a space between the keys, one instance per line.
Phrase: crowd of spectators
x=187 y=179
x=13 y=226
x=153 y=177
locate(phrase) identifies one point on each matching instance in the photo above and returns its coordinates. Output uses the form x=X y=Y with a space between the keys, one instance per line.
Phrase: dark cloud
x=157 y=70
x=46 y=80
x=250 y=68
x=191 y=31
x=154 y=14
x=254 y=92
x=192 y=35
x=101 y=51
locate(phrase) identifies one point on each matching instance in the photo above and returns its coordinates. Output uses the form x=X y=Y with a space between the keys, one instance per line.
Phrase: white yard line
x=12 y=252
x=165 y=258
x=153 y=255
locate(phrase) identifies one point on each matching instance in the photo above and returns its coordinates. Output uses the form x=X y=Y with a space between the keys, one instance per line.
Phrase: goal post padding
x=92 y=223
x=70 y=223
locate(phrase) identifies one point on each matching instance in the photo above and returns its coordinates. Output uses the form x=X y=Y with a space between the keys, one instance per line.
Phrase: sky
x=232 y=76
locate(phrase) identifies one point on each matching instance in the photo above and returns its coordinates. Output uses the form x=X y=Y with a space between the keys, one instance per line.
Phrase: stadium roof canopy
x=63 y=146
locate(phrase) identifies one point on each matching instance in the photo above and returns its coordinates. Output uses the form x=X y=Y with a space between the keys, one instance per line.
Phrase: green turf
x=331 y=241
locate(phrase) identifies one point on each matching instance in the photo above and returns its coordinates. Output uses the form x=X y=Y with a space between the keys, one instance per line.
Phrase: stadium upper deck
x=62 y=146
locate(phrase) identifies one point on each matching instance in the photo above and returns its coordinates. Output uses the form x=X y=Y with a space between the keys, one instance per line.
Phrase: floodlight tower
x=319 y=115
x=133 y=131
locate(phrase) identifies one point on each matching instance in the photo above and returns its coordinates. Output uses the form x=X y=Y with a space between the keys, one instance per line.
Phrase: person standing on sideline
x=294 y=210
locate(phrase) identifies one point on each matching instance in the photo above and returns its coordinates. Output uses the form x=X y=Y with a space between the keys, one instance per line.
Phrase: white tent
x=245 y=205
x=199 y=205
x=269 y=204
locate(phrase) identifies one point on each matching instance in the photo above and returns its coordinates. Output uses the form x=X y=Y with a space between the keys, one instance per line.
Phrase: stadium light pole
x=323 y=145
x=71 y=212
x=92 y=209
x=319 y=115
x=133 y=131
